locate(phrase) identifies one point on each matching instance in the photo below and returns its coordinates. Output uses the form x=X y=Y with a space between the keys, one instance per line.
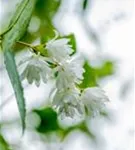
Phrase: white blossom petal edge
x=70 y=72
x=58 y=49
x=67 y=103
x=94 y=100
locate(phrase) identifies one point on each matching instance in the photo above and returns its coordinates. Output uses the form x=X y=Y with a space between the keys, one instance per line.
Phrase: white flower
x=35 y=70
x=67 y=102
x=94 y=100
x=70 y=72
x=76 y=68
x=58 y=49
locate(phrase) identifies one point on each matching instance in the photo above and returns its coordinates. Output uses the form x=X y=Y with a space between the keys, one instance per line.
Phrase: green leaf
x=89 y=76
x=49 y=123
x=16 y=16
x=85 y=2
x=3 y=144
x=48 y=119
x=106 y=69
x=19 y=24
x=14 y=78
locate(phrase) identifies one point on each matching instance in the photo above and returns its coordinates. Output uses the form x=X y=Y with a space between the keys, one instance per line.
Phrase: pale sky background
x=117 y=43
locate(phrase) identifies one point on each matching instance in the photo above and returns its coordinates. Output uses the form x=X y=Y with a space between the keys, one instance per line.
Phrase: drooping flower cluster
x=67 y=99
x=35 y=70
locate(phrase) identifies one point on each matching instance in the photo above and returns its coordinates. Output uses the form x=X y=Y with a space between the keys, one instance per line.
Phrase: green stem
x=25 y=44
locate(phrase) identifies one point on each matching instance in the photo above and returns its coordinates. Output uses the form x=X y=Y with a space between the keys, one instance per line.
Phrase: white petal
x=35 y=69
x=24 y=61
x=95 y=93
x=59 y=42
x=94 y=100
x=30 y=74
x=59 y=49
x=58 y=97
x=63 y=80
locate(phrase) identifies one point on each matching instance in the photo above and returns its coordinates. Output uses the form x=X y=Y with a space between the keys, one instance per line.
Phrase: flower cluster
x=67 y=98
x=35 y=70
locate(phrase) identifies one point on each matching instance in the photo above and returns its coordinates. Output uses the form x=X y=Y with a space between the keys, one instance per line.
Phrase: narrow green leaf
x=15 y=17
x=20 y=8
x=19 y=24
x=14 y=78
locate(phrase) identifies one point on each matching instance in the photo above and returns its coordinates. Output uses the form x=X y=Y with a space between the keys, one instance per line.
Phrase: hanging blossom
x=67 y=102
x=36 y=70
x=68 y=99
x=70 y=72
x=58 y=49
x=94 y=100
